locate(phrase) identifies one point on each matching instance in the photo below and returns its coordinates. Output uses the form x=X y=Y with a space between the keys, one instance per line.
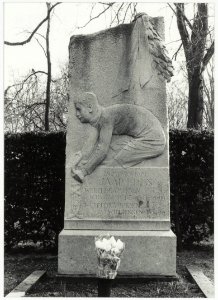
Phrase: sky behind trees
x=72 y=18
x=22 y=17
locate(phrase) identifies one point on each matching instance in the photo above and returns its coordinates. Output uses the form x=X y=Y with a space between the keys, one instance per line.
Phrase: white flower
x=116 y=250
x=113 y=242
x=110 y=245
x=99 y=244
x=107 y=247
x=119 y=245
x=104 y=244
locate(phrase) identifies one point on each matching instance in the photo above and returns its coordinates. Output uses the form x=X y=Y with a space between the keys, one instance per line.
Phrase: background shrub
x=34 y=187
x=35 y=184
x=191 y=184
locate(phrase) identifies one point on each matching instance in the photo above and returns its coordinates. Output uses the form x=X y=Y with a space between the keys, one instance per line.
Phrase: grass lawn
x=18 y=266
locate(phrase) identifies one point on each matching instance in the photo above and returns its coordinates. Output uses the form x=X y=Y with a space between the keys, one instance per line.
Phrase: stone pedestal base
x=151 y=253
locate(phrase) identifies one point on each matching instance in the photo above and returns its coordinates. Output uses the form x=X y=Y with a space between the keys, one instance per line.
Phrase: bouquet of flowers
x=108 y=252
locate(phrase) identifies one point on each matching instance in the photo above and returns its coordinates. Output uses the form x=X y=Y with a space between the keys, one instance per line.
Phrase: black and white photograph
x=108 y=132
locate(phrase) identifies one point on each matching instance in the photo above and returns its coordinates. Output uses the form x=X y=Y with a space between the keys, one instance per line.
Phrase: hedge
x=192 y=185
x=34 y=187
x=35 y=184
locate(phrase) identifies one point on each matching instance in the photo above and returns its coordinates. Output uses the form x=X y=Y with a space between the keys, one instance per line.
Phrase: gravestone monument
x=117 y=153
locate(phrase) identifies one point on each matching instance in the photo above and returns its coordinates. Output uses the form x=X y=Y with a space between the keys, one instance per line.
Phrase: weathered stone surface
x=95 y=64
x=131 y=202
x=135 y=196
x=146 y=252
x=146 y=138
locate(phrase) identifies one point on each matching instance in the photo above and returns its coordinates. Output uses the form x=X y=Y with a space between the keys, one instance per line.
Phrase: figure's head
x=86 y=107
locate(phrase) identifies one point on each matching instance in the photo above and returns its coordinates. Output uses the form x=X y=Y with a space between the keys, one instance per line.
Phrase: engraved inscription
x=123 y=195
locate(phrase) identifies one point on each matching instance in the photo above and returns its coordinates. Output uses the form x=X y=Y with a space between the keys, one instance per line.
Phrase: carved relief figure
x=147 y=135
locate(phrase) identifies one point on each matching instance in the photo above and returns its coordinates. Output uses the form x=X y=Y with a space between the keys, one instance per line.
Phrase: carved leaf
x=157 y=49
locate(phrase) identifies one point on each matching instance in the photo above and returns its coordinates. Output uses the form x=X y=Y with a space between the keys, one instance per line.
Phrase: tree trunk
x=48 y=86
x=195 y=103
x=194 y=44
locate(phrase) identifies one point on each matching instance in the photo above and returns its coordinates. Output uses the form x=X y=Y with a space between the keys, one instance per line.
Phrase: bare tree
x=194 y=35
x=48 y=85
x=208 y=84
x=47 y=19
x=23 y=105
x=25 y=109
x=60 y=101
x=177 y=101
x=198 y=49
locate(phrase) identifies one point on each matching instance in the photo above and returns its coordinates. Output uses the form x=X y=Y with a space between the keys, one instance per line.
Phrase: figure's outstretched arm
x=100 y=151
x=82 y=156
x=89 y=144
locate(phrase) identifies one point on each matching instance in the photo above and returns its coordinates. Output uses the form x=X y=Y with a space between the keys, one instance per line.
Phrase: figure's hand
x=78 y=174
x=76 y=158
x=83 y=162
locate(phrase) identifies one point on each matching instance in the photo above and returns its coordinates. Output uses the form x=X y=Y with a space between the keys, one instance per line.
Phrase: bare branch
x=206 y=90
x=35 y=104
x=92 y=8
x=172 y=8
x=117 y=15
x=34 y=31
x=31 y=119
x=41 y=47
x=176 y=53
x=135 y=11
x=200 y=29
x=183 y=32
x=37 y=33
x=61 y=121
x=207 y=57
x=23 y=82
x=101 y=13
x=184 y=16
x=126 y=12
x=172 y=42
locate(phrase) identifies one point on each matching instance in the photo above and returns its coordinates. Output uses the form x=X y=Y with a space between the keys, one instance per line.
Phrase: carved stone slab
x=113 y=197
x=124 y=67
